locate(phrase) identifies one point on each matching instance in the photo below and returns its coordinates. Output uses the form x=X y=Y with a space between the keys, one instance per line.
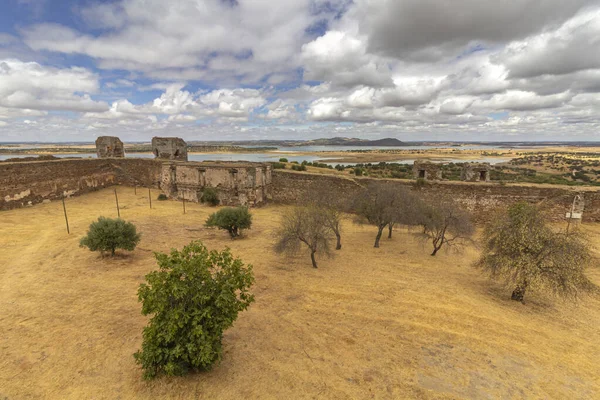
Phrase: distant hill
x=343 y=141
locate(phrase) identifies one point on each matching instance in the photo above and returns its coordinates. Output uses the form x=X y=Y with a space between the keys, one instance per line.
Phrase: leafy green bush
x=358 y=171
x=108 y=234
x=278 y=165
x=301 y=167
x=283 y=159
x=231 y=219
x=193 y=298
x=162 y=197
x=210 y=196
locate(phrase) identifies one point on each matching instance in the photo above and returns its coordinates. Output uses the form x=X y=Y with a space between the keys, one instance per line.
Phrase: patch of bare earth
x=382 y=323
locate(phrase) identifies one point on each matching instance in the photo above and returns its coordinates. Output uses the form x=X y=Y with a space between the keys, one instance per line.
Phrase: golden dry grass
x=382 y=323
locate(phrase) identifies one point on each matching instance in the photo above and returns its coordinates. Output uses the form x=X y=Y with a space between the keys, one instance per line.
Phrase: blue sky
x=216 y=69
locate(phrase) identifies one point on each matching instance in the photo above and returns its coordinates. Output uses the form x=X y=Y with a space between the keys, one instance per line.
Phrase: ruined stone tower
x=427 y=170
x=169 y=148
x=109 y=147
x=476 y=172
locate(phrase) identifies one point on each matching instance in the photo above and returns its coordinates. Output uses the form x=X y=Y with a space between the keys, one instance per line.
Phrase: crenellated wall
x=27 y=183
x=479 y=198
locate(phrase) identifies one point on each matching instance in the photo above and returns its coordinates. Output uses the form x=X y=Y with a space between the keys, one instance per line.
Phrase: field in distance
x=369 y=323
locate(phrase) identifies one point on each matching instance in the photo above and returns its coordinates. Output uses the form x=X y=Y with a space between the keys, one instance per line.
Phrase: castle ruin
x=169 y=148
x=476 y=172
x=109 y=147
x=237 y=184
x=427 y=170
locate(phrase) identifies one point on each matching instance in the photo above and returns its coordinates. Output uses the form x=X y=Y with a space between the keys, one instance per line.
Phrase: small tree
x=231 y=219
x=521 y=250
x=445 y=223
x=332 y=208
x=210 y=196
x=383 y=205
x=108 y=234
x=193 y=298
x=304 y=225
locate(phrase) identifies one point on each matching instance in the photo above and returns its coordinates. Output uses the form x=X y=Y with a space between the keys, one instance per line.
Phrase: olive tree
x=332 y=207
x=195 y=295
x=383 y=205
x=524 y=252
x=231 y=219
x=444 y=222
x=304 y=225
x=108 y=235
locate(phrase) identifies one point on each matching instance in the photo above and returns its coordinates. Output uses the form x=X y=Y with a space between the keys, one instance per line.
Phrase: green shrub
x=299 y=167
x=231 y=219
x=295 y=162
x=210 y=196
x=193 y=298
x=162 y=197
x=278 y=165
x=108 y=234
x=358 y=171
x=283 y=159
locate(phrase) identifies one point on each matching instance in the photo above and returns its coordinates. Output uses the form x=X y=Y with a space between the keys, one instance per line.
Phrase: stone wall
x=479 y=198
x=427 y=170
x=28 y=183
x=169 y=148
x=109 y=147
x=476 y=172
x=247 y=184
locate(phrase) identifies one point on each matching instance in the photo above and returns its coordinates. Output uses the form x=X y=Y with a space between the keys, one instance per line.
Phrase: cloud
x=427 y=30
x=29 y=85
x=413 y=68
x=342 y=59
x=181 y=39
x=574 y=47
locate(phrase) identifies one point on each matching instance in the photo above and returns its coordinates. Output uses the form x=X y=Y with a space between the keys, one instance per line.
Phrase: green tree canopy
x=108 y=235
x=193 y=298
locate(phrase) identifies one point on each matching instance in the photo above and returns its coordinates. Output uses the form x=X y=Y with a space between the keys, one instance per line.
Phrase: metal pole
x=150 y=197
x=117 y=200
x=66 y=218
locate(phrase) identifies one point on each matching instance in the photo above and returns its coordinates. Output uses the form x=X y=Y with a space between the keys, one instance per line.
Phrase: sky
x=484 y=70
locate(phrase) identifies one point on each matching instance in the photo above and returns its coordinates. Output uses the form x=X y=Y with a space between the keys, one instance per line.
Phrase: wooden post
x=66 y=218
x=117 y=200
x=135 y=190
x=150 y=197
x=184 y=205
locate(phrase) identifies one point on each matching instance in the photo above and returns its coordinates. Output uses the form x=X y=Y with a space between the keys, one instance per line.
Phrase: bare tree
x=383 y=205
x=333 y=209
x=304 y=225
x=521 y=250
x=444 y=223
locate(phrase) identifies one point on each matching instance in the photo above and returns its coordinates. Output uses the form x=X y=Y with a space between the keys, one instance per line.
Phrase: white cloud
x=33 y=86
x=573 y=47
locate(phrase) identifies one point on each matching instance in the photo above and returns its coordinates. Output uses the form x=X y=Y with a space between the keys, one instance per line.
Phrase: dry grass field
x=388 y=323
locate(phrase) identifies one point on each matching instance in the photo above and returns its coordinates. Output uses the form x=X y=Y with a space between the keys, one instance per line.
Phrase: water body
x=259 y=157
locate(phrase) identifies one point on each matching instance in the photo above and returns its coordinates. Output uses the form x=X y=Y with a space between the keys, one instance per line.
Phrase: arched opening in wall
x=483 y=175
x=156 y=152
x=422 y=174
x=176 y=153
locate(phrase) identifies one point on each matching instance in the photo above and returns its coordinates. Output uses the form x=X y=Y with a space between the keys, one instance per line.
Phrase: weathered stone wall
x=169 y=148
x=479 y=198
x=109 y=147
x=23 y=184
x=427 y=170
x=236 y=183
x=476 y=172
